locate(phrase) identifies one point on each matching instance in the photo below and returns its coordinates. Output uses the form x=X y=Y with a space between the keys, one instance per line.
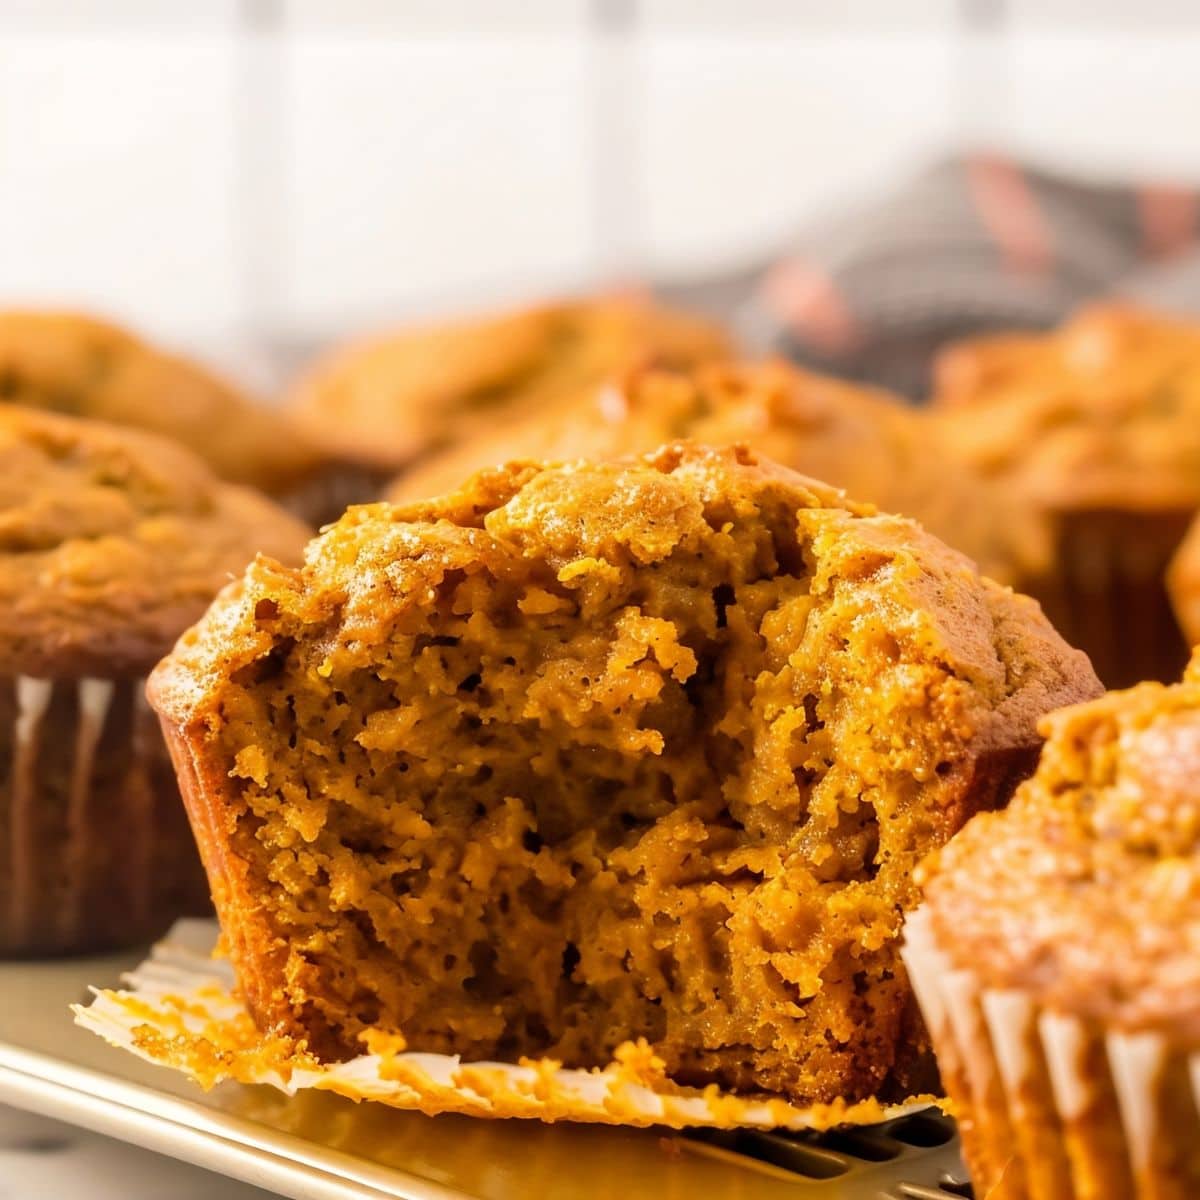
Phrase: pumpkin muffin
x=111 y=542
x=1057 y=958
x=80 y=366
x=382 y=402
x=588 y=753
x=862 y=439
x=1097 y=427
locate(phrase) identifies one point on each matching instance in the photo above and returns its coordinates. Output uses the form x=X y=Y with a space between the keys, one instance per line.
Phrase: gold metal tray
x=317 y=1146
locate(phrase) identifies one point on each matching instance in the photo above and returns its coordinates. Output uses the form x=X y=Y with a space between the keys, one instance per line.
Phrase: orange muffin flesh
x=579 y=754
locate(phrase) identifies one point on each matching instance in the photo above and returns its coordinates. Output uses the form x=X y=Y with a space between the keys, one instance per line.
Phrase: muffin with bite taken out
x=581 y=754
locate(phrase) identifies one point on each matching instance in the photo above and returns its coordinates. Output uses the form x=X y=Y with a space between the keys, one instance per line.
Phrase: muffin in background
x=1096 y=427
x=1057 y=959
x=576 y=755
x=81 y=366
x=380 y=403
x=861 y=439
x=111 y=542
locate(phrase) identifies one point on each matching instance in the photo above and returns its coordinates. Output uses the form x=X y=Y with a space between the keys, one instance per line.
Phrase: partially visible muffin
x=1097 y=427
x=111 y=542
x=381 y=402
x=81 y=366
x=862 y=439
x=1057 y=958
x=581 y=754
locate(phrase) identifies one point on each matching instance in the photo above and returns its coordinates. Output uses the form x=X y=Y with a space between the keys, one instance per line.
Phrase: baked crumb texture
x=181 y=1012
x=586 y=754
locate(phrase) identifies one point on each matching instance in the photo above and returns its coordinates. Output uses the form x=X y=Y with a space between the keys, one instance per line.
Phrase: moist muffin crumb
x=580 y=754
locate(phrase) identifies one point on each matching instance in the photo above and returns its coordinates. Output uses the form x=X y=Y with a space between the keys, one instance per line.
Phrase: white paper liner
x=1006 y=1046
x=33 y=697
x=180 y=1011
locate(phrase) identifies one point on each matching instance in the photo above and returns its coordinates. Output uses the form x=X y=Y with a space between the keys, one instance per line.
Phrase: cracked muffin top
x=80 y=366
x=1103 y=412
x=1086 y=890
x=861 y=439
x=583 y=753
x=112 y=541
x=382 y=401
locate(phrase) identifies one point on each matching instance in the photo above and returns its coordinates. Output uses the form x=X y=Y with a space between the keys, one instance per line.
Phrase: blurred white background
x=273 y=172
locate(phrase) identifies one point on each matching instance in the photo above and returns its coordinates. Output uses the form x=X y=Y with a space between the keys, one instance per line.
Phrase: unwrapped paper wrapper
x=181 y=1011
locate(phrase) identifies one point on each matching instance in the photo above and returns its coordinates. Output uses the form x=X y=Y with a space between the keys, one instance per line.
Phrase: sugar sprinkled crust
x=582 y=753
x=112 y=541
x=81 y=366
x=1085 y=893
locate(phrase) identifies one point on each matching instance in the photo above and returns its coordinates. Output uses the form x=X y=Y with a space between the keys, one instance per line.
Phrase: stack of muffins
x=640 y=732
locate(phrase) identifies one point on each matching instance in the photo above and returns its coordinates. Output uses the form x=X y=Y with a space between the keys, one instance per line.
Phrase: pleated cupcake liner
x=1051 y=1106
x=323 y=498
x=180 y=1010
x=1105 y=591
x=95 y=851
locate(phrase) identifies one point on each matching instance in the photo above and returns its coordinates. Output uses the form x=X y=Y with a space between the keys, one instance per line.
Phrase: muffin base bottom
x=182 y=1012
x=1107 y=594
x=95 y=850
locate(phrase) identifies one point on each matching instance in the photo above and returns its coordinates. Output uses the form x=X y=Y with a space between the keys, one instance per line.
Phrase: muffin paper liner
x=1056 y=1107
x=181 y=1011
x=79 y=852
x=323 y=498
x=1105 y=592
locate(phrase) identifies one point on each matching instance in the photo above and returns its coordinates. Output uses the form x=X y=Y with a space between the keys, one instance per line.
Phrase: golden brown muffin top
x=633 y=514
x=112 y=541
x=864 y=440
x=1086 y=891
x=383 y=400
x=1103 y=412
x=80 y=366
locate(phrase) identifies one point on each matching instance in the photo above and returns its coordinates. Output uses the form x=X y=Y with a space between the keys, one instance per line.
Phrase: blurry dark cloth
x=972 y=245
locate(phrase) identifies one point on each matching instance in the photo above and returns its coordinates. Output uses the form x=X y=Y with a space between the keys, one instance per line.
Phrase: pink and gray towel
x=974 y=244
